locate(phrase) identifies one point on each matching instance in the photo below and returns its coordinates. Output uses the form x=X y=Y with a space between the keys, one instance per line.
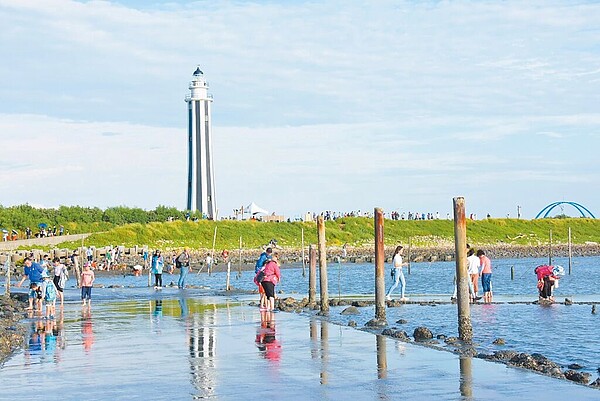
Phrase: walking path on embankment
x=45 y=241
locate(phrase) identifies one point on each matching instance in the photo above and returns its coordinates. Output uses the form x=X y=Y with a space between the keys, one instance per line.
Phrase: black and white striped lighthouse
x=201 y=176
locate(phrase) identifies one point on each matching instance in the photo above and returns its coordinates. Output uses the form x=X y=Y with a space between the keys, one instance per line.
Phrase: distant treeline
x=83 y=219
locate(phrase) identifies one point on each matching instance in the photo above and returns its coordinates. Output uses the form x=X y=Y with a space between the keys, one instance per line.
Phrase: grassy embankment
x=354 y=231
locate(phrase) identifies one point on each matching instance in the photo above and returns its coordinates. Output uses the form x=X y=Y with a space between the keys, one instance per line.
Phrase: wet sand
x=191 y=347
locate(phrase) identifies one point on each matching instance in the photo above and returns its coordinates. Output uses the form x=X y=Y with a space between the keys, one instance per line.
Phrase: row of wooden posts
x=465 y=330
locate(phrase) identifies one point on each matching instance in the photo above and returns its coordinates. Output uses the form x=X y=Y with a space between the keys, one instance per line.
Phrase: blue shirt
x=34 y=272
x=262 y=259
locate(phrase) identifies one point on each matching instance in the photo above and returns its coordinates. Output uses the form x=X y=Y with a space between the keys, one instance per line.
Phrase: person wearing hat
x=548 y=277
x=49 y=297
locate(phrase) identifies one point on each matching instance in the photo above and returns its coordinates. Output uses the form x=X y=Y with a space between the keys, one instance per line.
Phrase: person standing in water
x=87 y=282
x=184 y=263
x=157 y=268
x=486 y=276
x=397 y=275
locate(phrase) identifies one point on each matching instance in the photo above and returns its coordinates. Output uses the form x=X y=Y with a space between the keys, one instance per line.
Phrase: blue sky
x=329 y=105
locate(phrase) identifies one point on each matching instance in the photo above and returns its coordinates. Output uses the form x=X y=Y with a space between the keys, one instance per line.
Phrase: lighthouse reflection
x=202 y=351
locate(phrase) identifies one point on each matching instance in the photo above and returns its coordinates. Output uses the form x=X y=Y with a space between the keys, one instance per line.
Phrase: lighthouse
x=201 y=176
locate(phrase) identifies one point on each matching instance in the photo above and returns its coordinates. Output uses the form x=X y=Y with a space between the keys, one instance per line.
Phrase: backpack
x=177 y=263
x=50 y=294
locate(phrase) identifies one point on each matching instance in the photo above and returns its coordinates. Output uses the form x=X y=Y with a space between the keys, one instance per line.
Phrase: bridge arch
x=580 y=208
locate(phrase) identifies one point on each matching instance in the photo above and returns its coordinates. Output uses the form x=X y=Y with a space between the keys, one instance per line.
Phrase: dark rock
x=401 y=321
x=401 y=335
x=422 y=334
x=577 y=377
x=333 y=302
x=441 y=336
x=499 y=341
x=575 y=366
x=376 y=323
x=360 y=304
x=387 y=332
x=20 y=296
x=523 y=360
x=452 y=340
x=568 y=301
x=503 y=355
x=351 y=310
x=352 y=323
x=343 y=302
x=595 y=383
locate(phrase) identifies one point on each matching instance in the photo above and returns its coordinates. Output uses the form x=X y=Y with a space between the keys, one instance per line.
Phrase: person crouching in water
x=548 y=277
x=272 y=277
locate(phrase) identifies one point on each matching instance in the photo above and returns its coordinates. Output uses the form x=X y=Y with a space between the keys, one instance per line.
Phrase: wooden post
x=212 y=255
x=312 y=274
x=512 y=272
x=550 y=250
x=303 y=256
x=77 y=272
x=150 y=270
x=227 y=285
x=570 y=251
x=322 y=266
x=379 y=266
x=409 y=249
x=239 y=273
x=7 y=266
x=465 y=330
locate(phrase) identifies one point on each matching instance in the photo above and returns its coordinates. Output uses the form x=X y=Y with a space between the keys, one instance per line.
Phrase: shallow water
x=426 y=278
x=566 y=334
x=191 y=347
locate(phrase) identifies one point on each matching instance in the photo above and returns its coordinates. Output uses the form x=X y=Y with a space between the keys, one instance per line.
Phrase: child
x=87 y=281
x=49 y=295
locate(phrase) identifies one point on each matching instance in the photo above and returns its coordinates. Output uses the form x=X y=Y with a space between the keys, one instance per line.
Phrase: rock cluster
x=11 y=333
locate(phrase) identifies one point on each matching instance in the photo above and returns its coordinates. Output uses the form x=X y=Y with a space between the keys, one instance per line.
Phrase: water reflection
x=202 y=350
x=324 y=351
x=45 y=340
x=266 y=341
x=466 y=378
x=381 y=357
x=87 y=328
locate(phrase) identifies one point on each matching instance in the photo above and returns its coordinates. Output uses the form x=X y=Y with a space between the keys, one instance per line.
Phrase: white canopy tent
x=253 y=209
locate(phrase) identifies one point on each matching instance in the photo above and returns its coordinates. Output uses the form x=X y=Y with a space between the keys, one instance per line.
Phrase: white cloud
x=345 y=102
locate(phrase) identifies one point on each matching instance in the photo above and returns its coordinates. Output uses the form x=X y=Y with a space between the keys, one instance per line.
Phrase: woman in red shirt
x=272 y=277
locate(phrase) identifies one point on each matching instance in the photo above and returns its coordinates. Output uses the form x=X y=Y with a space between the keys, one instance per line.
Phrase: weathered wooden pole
x=550 y=249
x=212 y=255
x=512 y=272
x=379 y=266
x=312 y=274
x=570 y=251
x=227 y=281
x=303 y=256
x=77 y=272
x=7 y=266
x=465 y=330
x=322 y=266
x=239 y=273
x=409 y=249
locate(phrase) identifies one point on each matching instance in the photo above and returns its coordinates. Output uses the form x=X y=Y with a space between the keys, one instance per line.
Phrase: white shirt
x=397 y=262
x=473 y=267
